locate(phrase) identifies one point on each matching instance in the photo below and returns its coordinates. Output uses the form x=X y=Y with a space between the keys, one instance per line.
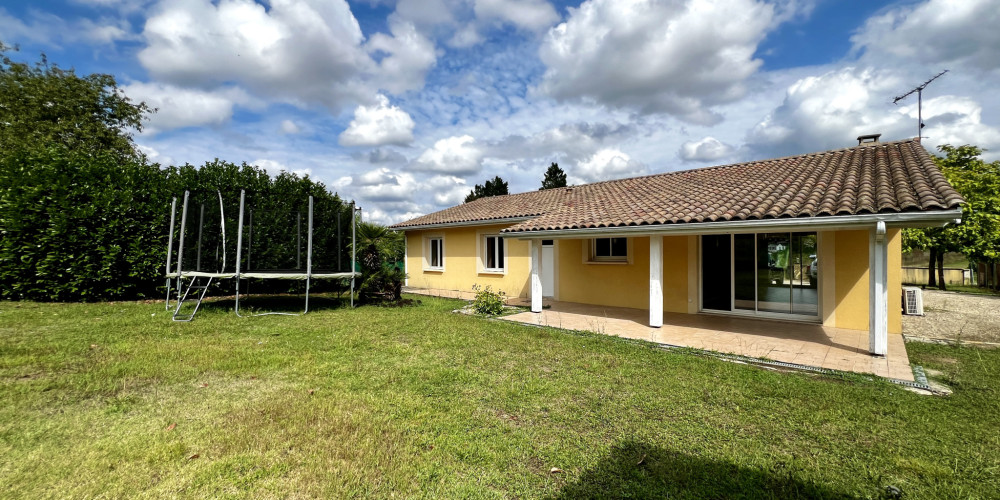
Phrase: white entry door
x=548 y=269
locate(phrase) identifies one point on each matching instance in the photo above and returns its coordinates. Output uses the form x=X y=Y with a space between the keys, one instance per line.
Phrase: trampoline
x=195 y=268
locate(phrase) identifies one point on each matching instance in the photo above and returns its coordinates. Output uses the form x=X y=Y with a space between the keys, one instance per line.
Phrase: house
x=812 y=238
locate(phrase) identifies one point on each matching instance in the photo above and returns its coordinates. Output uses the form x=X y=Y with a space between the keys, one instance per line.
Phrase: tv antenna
x=919 y=90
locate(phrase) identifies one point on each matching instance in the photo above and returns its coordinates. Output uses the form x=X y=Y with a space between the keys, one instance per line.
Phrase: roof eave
x=482 y=222
x=930 y=218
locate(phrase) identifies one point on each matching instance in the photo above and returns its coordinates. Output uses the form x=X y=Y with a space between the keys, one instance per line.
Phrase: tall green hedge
x=80 y=227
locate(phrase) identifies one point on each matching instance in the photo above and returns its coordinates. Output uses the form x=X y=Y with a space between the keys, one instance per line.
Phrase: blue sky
x=404 y=105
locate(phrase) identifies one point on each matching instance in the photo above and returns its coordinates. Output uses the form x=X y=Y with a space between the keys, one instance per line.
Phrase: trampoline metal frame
x=179 y=274
x=170 y=245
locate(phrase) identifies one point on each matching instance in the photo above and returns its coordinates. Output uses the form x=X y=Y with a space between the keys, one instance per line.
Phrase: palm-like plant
x=378 y=249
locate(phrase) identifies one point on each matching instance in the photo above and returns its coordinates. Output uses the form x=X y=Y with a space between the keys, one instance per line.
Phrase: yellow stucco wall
x=851 y=275
x=851 y=285
x=462 y=261
x=611 y=284
x=675 y=274
x=845 y=286
x=620 y=284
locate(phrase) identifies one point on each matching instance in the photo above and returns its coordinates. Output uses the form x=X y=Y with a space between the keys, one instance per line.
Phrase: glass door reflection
x=774 y=273
x=804 y=274
x=744 y=272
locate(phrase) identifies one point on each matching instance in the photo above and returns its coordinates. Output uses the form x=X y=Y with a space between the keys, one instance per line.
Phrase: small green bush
x=487 y=301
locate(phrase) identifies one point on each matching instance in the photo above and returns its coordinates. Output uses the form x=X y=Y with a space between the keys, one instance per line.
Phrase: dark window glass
x=611 y=248
x=436 y=253
x=602 y=247
x=500 y=258
x=716 y=277
x=619 y=247
x=494 y=253
x=491 y=252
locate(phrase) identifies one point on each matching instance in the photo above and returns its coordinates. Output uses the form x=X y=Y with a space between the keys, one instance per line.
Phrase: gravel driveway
x=956 y=316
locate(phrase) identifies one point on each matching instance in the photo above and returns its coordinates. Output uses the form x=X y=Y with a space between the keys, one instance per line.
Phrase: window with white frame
x=609 y=250
x=494 y=254
x=435 y=253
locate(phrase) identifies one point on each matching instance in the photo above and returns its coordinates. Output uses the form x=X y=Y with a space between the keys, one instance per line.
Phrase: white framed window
x=494 y=254
x=609 y=250
x=434 y=253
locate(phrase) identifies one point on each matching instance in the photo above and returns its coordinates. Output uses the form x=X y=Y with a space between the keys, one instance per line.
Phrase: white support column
x=656 y=281
x=536 y=276
x=878 y=303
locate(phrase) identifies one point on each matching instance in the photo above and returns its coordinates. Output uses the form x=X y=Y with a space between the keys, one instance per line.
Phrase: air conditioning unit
x=913 y=301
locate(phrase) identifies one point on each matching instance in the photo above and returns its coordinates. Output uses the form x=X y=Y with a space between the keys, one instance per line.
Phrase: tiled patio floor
x=805 y=344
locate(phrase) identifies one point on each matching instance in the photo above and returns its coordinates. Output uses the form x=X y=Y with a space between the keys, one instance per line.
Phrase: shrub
x=378 y=249
x=487 y=301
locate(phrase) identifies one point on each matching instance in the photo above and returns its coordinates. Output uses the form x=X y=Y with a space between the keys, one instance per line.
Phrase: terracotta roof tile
x=872 y=178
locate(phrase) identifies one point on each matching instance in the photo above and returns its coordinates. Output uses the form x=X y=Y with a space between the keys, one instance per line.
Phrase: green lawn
x=115 y=400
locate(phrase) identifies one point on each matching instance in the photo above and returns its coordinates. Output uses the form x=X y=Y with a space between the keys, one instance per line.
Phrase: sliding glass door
x=716 y=256
x=803 y=274
x=745 y=275
x=760 y=273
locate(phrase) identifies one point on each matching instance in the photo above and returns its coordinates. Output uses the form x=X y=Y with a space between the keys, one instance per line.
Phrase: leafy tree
x=494 y=187
x=978 y=236
x=555 y=177
x=43 y=106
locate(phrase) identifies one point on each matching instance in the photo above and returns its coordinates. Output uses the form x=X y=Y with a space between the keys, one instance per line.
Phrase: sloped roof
x=890 y=177
x=511 y=206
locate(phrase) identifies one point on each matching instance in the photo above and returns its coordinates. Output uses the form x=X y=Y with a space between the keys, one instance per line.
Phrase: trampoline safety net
x=274 y=244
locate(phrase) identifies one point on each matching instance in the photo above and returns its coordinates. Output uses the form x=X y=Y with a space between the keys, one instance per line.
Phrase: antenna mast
x=919 y=90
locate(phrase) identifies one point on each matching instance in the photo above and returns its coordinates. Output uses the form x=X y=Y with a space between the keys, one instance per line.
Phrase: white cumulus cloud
x=384 y=185
x=532 y=15
x=936 y=32
x=289 y=127
x=296 y=51
x=705 y=149
x=829 y=111
x=459 y=155
x=672 y=56
x=408 y=57
x=604 y=165
x=179 y=107
x=378 y=125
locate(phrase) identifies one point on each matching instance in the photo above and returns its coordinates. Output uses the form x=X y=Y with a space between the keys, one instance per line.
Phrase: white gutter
x=483 y=222
x=824 y=223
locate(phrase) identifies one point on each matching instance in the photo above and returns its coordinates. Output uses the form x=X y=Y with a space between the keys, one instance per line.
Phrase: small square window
x=494 y=258
x=609 y=249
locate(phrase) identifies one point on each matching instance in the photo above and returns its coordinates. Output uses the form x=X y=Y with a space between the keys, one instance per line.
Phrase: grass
x=115 y=400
